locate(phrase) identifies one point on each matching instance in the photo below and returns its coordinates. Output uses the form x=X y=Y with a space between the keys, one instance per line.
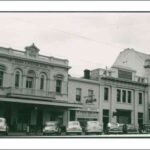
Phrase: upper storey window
x=58 y=86
x=30 y=80
x=2 y=69
x=125 y=74
x=18 y=76
x=42 y=81
x=59 y=81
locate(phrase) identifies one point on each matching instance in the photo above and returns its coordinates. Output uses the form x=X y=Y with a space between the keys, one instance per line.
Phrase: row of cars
x=92 y=127
x=73 y=127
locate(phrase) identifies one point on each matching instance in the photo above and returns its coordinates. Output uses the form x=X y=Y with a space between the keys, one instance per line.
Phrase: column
x=146 y=108
x=101 y=100
x=135 y=106
x=112 y=104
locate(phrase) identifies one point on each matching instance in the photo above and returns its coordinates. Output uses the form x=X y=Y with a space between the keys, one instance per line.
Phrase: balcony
x=29 y=93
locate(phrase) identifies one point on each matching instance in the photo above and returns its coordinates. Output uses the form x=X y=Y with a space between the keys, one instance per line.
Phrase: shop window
x=140 y=119
x=140 y=98
x=105 y=118
x=123 y=96
x=106 y=93
x=129 y=97
x=78 y=94
x=118 y=95
x=58 y=86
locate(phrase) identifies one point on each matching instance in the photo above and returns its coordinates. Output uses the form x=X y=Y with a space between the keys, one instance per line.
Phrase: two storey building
x=33 y=88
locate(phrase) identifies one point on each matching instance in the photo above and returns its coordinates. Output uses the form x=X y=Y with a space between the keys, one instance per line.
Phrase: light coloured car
x=93 y=127
x=114 y=128
x=3 y=126
x=74 y=128
x=51 y=128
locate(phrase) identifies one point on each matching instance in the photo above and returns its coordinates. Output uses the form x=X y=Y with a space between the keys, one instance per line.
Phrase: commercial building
x=33 y=88
x=36 y=88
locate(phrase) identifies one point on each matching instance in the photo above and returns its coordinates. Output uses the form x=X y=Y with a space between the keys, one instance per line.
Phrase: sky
x=87 y=40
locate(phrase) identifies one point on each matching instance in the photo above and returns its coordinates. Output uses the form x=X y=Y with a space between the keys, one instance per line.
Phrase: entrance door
x=39 y=122
x=124 y=116
x=23 y=119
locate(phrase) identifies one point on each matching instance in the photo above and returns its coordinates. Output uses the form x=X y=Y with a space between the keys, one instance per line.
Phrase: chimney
x=86 y=74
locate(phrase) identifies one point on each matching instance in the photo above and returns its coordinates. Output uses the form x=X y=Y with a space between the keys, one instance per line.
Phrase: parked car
x=51 y=128
x=93 y=127
x=3 y=126
x=132 y=129
x=114 y=128
x=144 y=129
x=74 y=128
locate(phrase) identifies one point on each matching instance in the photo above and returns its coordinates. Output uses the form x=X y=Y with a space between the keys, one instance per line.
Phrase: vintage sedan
x=3 y=127
x=74 y=128
x=114 y=128
x=132 y=129
x=93 y=127
x=51 y=128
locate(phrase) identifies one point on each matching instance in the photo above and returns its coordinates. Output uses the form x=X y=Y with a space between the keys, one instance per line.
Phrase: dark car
x=132 y=129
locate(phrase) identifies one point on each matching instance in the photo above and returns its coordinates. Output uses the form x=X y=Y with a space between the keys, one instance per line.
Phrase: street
x=39 y=135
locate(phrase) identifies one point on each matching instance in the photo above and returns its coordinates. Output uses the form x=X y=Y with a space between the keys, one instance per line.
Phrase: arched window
x=17 y=79
x=42 y=81
x=2 y=69
x=30 y=79
x=59 y=78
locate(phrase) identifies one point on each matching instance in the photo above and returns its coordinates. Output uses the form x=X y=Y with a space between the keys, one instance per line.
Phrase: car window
x=50 y=123
x=73 y=123
x=93 y=123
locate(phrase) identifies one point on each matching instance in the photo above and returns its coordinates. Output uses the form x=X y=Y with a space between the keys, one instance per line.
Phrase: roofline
x=84 y=80
x=123 y=80
x=123 y=68
x=36 y=61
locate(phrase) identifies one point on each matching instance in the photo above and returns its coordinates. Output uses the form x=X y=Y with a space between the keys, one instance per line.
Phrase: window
x=140 y=98
x=1 y=78
x=17 y=79
x=129 y=97
x=78 y=94
x=123 y=96
x=30 y=79
x=118 y=95
x=124 y=74
x=90 y=94
x=58 y=86
x=106 y=92
x=29 y=82
x=105 y=118
x=42 y=82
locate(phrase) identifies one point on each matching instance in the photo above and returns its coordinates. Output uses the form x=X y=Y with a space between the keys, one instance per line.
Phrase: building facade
x=36 y=88
x=33 y=88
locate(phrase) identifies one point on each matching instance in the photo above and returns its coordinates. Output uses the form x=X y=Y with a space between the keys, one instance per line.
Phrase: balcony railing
x=30 y=92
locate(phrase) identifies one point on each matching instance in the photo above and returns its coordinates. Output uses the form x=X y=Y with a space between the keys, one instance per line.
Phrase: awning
x=40 y=102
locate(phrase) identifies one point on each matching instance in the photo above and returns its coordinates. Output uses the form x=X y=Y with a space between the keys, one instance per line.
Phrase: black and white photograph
x=74 y=74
